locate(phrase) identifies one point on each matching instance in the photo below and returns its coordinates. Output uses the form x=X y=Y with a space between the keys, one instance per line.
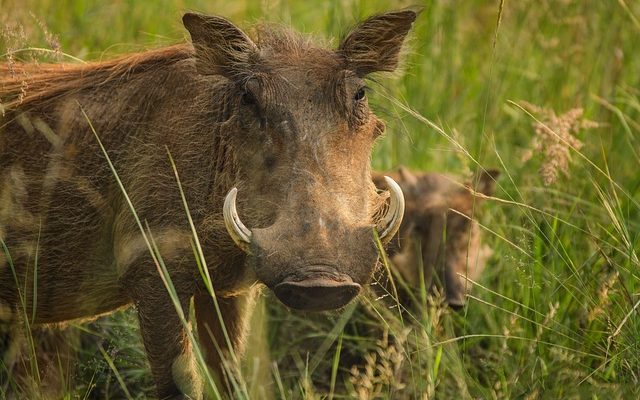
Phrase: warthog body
x=439 y=239
x=283 y=121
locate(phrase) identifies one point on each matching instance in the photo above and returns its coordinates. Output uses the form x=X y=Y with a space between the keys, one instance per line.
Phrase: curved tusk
x=238 y=232
x=390 y=223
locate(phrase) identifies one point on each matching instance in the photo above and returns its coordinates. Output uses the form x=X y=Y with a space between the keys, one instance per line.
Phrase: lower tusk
x=238 y=232
x=393 y=218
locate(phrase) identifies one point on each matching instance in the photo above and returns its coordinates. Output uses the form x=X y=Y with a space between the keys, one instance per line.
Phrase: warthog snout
x=317 y=291
x=285 y=254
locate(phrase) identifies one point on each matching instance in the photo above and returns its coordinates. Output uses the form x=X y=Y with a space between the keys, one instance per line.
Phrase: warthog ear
x=407 y=176
x=221 y=47
x=485 y=181
x=376 y=43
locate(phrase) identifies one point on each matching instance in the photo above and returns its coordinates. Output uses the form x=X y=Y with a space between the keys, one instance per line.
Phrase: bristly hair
x=283 y=40
x=28 y=84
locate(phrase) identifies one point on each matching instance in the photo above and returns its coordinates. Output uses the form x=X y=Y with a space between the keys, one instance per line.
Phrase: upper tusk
x=393 y=218
x=238 y=232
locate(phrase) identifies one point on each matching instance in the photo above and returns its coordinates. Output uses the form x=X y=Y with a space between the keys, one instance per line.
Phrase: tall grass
x=557 y=313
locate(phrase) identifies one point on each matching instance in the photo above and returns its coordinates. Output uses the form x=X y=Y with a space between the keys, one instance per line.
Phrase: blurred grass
x=556 y=315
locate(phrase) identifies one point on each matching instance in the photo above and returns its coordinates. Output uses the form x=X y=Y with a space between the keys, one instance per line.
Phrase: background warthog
x=439 y=240
x=276 y=121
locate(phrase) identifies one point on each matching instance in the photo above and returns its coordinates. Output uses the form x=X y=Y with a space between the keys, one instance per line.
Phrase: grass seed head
x=555 y=137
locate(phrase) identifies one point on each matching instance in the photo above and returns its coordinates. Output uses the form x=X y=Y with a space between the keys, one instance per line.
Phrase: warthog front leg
x=236 y=313
x=167 y=344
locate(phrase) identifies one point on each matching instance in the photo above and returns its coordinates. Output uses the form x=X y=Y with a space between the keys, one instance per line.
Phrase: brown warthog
x=275 y=121
x=439 y=241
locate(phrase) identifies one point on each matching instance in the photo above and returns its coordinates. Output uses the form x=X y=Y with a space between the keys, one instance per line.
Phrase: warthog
x=275 y=121
x=439 y=241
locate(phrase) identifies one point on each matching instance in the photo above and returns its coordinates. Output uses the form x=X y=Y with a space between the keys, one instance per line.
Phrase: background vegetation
x=548 y=92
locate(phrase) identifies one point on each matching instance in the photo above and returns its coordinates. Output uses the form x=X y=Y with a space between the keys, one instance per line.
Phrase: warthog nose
x=316 y=294
x=456 y=305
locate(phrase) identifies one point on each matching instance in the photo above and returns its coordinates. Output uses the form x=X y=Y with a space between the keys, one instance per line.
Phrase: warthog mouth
x=319 y=289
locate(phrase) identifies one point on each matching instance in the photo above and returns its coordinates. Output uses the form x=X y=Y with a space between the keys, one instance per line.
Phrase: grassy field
x=546 y=91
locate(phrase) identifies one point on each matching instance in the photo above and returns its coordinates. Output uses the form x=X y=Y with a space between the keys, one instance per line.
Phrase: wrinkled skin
x=284 y=121
x=439 y=233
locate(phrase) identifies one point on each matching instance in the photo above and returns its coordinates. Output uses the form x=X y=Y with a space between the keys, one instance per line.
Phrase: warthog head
x=439 y=241
x=301 y=202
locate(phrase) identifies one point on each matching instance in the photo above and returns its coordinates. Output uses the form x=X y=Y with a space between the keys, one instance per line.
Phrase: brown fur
x=439 y=233
x=278 y=118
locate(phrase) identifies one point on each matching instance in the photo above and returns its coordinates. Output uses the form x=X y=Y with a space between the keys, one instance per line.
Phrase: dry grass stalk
x=603 y=297
x=50 y=38
x=555 y=136
x=382 y=372
x=14 y=39
x=553 y=310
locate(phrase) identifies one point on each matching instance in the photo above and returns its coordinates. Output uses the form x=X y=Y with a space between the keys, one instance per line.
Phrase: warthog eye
x=360 y=94
x=248 y=99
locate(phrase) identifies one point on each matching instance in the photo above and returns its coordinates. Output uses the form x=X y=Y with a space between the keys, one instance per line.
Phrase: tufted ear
x=221 y=47
x=485 y=181
x=375 y=44
x=407 y=176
